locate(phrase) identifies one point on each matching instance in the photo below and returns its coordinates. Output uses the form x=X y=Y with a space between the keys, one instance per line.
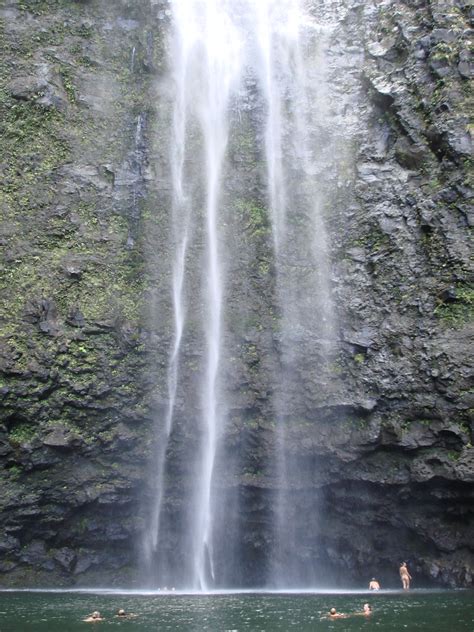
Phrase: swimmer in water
x=125 y=615
x=367 y=610
x=94 y=617
x=333 y=614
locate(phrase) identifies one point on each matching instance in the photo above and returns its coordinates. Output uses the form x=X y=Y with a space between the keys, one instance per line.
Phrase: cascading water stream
x=205 y=56
x=218 y=49
x=273 y=132
x=294 y=165
x=181 y=220
x=221 y=67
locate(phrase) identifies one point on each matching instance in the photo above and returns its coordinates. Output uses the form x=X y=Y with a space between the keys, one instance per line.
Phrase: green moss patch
x=460 y=310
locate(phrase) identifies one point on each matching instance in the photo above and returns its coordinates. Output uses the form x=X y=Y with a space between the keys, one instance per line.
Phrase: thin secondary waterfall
x=225 y=54
x=181 y=227
x=273 y=134
x=296 y=121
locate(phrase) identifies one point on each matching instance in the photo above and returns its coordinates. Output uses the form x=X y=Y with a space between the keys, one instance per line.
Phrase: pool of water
x=441 y=611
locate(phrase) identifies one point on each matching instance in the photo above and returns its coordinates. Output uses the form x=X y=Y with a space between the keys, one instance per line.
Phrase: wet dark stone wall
x=85 y=317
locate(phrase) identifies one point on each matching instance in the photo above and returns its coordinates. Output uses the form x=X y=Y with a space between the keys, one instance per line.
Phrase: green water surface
x=442 y=611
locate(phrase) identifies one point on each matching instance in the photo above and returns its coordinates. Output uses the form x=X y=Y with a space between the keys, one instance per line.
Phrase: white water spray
x=180 y=232
x=216 y=45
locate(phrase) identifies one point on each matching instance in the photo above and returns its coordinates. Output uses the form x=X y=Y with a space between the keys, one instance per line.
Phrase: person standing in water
x=405 y=576
x=373 y=584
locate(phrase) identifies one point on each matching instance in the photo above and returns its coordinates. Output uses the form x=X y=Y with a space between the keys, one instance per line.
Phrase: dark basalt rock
x=62 y=438
x=66 y=558
x=384 y=446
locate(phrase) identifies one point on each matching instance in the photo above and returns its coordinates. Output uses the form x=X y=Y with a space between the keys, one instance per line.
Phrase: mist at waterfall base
x=56 y=612
x=250 y=150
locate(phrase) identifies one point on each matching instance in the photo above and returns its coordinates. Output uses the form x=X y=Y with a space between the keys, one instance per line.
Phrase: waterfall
x=292 y=76
x=225 y=54
x=219 y=71
x=206 y=63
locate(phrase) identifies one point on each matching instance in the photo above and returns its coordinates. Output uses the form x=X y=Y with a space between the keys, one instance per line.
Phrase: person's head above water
x=121 y=612
x=96 y=614
x=332 y=611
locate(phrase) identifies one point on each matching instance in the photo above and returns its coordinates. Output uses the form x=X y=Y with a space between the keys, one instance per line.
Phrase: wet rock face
x=385 y=448
x=75 y=400
x=400 y=484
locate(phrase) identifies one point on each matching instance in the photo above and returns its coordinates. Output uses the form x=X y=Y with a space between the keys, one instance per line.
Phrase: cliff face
x=403 y=281
x=76 y=99
x=385 y=450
